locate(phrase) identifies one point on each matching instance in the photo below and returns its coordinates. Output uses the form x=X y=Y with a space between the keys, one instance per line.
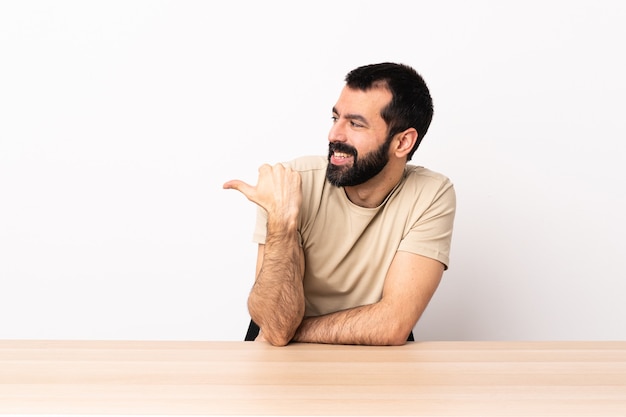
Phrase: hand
x=278 y=191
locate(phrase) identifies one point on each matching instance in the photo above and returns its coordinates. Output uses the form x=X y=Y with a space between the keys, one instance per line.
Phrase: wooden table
x=254 y=378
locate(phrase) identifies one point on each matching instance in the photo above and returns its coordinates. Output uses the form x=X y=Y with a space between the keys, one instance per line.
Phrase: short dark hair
x=411 y=104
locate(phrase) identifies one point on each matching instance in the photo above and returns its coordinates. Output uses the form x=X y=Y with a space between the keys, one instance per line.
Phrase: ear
x=405 y=142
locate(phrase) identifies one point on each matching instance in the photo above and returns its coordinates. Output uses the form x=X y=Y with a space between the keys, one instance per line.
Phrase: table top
x=574 y=378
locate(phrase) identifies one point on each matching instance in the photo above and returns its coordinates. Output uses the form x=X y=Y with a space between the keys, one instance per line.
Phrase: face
x=359 y=146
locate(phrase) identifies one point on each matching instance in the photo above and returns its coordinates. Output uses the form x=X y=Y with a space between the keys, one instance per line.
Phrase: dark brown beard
x=362 y=169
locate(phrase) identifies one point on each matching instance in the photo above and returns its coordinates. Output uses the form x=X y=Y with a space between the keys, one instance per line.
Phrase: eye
x=355 y=124
x=334 y=118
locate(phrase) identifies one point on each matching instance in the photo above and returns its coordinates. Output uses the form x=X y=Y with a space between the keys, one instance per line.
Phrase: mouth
x=340 y=158
x=339 y=154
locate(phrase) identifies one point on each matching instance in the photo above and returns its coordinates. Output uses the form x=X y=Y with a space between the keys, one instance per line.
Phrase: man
x=352 y=246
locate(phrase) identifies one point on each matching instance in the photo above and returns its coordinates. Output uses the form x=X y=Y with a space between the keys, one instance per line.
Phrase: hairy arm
x=276 y=301
x=410 y=284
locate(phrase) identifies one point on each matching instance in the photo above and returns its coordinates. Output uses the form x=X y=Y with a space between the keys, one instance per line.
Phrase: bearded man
x=353 y=245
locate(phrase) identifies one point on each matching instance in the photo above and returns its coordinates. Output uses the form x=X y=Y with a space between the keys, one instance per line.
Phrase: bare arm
x=276 y=301
x=410 y=284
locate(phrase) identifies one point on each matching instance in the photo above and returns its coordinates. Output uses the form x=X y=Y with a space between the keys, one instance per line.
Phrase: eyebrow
x=352 y=116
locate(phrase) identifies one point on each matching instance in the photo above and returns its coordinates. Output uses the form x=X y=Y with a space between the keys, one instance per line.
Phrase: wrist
x=282 y=226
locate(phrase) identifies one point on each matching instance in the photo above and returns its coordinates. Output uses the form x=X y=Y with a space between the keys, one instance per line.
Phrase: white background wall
x=121 y=120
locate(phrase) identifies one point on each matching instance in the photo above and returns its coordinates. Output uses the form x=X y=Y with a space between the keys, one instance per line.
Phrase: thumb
x=244 y=188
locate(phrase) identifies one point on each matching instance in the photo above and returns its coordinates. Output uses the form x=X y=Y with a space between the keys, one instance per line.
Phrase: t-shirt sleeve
x=260 y=227
x=430 y=234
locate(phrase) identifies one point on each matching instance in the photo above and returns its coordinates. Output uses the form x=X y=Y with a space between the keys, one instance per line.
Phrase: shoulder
x=415 y=171
x=422 y=184
x=418 y=176
x=308 y=163
x=312 y=169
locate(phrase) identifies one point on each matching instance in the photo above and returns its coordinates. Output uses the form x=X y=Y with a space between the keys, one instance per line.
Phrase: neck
x=372 y=193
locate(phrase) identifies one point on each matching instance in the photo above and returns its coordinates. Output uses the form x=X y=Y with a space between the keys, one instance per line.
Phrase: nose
x=337 y=132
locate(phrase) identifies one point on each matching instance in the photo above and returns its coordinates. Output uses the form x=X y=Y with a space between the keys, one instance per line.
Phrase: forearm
x=374 y=324
x=276 y=301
